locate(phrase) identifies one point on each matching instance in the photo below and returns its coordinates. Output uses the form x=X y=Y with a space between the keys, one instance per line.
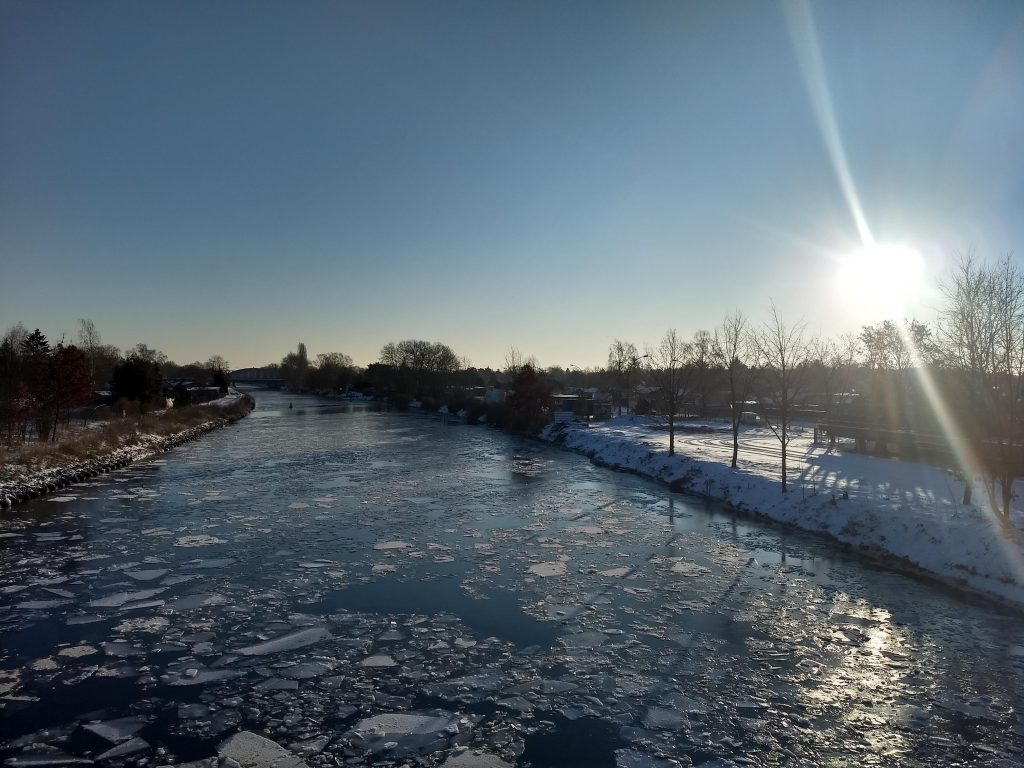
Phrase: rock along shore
x=51 y=480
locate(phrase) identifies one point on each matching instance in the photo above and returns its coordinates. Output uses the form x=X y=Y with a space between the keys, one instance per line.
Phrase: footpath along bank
x=60 y=474
x=905 y=513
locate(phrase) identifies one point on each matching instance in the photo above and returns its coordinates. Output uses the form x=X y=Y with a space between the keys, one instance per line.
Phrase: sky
x=234 y=177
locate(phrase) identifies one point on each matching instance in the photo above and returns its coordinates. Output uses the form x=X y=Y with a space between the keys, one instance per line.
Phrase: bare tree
x=623 y=359
x=982 y=334
x=784 y=354
x=667 y=363
x=704 y=370
x=735 y=351
x=967 y=332
x=90 y=342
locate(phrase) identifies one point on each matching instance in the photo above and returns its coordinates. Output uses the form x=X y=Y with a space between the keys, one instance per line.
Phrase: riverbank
x=46 y=468
x=901 y=512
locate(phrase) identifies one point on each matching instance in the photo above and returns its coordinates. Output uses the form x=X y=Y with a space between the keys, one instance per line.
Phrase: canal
x=366 y=587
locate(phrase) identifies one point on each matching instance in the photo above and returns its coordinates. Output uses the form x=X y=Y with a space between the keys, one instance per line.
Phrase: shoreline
x=47 y=481
x=616 y=449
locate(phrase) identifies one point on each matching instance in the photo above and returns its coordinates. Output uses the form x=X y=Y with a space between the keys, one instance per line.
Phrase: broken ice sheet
x=250 y=750
x=383 y=545
x=198 y=540
x=118 y=599
x=630 y=758
x=401 y=733
x=116 y=731
x=147 y=575
x=289 y=642
x=552 y=568
x=380 y=660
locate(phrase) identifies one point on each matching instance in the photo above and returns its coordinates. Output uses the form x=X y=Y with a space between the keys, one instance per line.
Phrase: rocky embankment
x=54 y=479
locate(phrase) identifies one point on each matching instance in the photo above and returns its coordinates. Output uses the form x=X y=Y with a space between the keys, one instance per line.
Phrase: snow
x=906 y=512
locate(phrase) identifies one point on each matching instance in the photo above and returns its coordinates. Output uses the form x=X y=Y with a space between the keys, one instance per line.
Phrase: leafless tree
x=667 y=367
x=90 y=342
x=705 y=372
x=967 y=332
x=734 y=350
x=982 y=335
x=623 y=359
x=784 y=354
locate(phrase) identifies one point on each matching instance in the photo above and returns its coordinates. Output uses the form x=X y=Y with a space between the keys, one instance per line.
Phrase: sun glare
x=881 y=278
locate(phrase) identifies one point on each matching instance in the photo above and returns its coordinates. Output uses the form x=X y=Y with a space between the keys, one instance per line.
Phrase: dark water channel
x=367 y=587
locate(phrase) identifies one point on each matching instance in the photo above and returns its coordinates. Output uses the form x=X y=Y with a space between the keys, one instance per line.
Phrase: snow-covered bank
x=146 y=445
x=906 y=512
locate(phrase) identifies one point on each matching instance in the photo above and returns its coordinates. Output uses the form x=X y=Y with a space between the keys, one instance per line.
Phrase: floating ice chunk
x=118 y=599
x=392 y=545
x=384 y=568
x=298 y=505
x=44 y=665
x=591 y=530
x=122 y=649
x=116 y=731
x=189 y=602
x=41 y=605
x=584 y=639
x=151 y=624
x=381 y=660
x=630 y=758
x=128 y=748
x=616 y=572
x=221 y=562
x=77 y=651
x=198 y=540
x=192 y=711
x=553 y=568
x=307 y=670
x=253 y=751
x=404 y=732
x=687 y=568
x=474 y=759
x=149 y=575
x=313 y=746
x=664 y=719
x=277 y=684
x=203 y=676
x=40 y=759
x=289 y=642
x=517 y=703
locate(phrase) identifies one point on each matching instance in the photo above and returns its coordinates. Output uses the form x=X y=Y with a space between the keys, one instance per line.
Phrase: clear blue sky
x=234 y=177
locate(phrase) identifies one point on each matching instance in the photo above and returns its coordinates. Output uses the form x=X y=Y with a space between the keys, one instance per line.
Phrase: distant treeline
x=958 y=379
x=41 y=383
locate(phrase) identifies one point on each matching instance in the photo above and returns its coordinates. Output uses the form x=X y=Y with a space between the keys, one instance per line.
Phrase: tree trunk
x=783 y=442
x=735 y=438
x=968 y=488
x=671 y=433
x=1007 y=483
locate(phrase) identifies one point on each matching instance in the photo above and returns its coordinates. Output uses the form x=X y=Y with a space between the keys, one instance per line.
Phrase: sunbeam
x=808 y=53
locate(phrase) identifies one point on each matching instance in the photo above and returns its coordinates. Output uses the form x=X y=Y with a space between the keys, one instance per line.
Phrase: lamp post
x=633 y=363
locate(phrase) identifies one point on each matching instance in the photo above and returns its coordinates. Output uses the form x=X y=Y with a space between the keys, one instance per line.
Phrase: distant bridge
x=268 y=377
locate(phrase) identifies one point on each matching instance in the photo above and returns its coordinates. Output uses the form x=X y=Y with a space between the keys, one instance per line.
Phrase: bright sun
x=882 y=279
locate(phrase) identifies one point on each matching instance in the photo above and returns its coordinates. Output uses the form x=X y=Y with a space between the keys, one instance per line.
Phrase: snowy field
x=890 y=507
